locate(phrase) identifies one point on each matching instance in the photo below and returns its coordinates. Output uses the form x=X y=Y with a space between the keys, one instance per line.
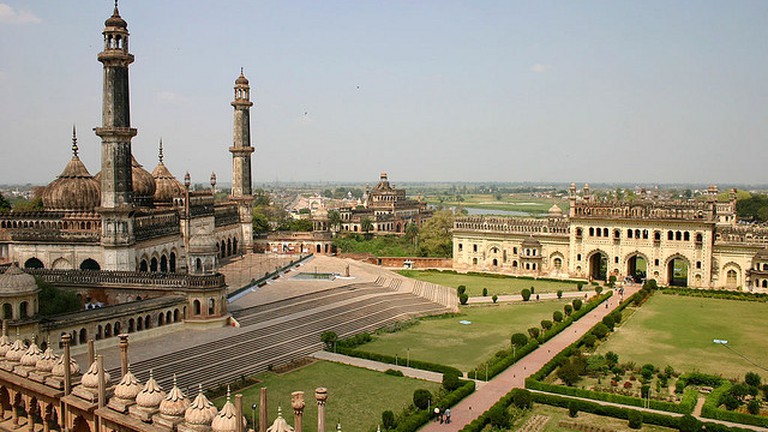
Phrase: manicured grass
x=514 y=202
x=356 y=397
x=446 y=341
x=678 y=331
x=495 y=285
x=556 y=414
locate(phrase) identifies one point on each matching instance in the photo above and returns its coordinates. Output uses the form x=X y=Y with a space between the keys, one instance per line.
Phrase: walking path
x=378 y=366
x=507 y=298
x=514 y=377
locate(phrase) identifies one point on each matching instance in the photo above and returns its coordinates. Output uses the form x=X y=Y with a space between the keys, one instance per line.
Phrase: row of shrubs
x=412 y=421
x=719 y=294
x=383 y=358
x=711 y=408
x=500 y=363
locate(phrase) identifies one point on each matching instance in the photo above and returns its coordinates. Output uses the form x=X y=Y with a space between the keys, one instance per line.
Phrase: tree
x=495 y=298
x=559 y=293
x=412 y=233
x=334 y=220
x=329 y=338
x=534 y=332
x=597 y=365
x=752 y=379
x=568 y=309
x=366 y=225
x=612 y=358
x=260 y=222
x=576 y=304
x=601 y=330
x=54 y=301
x=435 y=238
x=451 y=381
x=608 y=321
x=546 y=324
x=598 y=290
x=5 y=206
x=485 y=292
x=557 y=316
x=573 y=409
x=33 y=205
x=580 y=286
x=388 y=420
x=463 y=298
x=689 y=423
x=570 y=372
x=522 y=398
x=753 y=407
x=422 y=398
x=519 y=340
x=635 y=419
x=526 y=293
x=461 y=290
x=589 y=340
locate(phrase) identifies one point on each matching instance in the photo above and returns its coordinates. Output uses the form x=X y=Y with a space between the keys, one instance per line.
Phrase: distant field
x=678 y=331
x=515 y=202
x=495 y=285
x=557 y=414
x=447 y=341
x=356 y=397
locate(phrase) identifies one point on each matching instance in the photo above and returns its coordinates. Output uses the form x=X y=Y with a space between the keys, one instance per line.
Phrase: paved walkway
x=378 y=366
x=507 y=298
x=514 y=377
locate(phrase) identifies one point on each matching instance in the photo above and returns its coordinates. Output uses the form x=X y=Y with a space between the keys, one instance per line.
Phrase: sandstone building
x=695 y=243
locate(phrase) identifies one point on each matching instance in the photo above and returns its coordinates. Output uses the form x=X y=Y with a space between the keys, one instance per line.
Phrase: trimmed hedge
x=419 y=418
x=711 y=409
x=720 y=294
x=417 y=364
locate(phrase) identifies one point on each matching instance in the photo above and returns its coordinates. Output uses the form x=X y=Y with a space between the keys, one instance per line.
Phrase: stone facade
x=696 y=243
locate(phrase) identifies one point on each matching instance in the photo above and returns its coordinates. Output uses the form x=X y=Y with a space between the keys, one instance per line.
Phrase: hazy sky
x=599 y=91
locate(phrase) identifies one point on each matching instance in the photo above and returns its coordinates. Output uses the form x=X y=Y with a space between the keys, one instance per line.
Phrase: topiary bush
x=635 y=420
x=463 y=298
x=521 y=398
x=559 y=293
x=557 y=316
x=388 y=420
x=579 y=286
x=533 y=290
x=601 y=330
x=568 y=309
x=495 y=298
x=485 y=292
x=598 y=290
x=689 y=423
x=534 y=332
x=608 y=321
x=421 y=398
x=546 y=324
x=752 y=379
x=526 y=293
x=394 y=372
x=461 y=290
x=576 y=304
x=589 y=340
x=519 y=339
x=573 y=409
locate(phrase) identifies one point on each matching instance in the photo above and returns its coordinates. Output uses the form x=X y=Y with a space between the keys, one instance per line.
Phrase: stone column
x=14 y=412
x=91 y=353
x=239 y=412
x=123 y=344
x=65 y=338
x=30 y=417
x=102 y=382
x=321 y=395
x=298 y=404
x=263 y=414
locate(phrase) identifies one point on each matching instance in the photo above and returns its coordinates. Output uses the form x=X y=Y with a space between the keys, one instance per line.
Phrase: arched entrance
x=731 y=279
x=33 y=263
x=598 y=266
x=677 y=272
x=89 y=264
x=80 y=425
x=637 y=267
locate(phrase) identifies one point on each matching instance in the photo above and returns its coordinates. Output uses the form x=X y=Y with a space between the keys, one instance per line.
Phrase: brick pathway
x=484 y=397
x=378 y=366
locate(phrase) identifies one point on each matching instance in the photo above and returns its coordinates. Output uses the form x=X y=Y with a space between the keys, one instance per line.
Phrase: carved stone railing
x=128 y=279
x=226 y=215
x=663 y=210
x=747 y=235
x=156 y=225
x=512 y=225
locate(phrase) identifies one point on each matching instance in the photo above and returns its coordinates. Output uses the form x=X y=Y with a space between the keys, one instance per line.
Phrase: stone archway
x=80 y=425
x=33 y=263
x=677 y=271
x=637 y=267
x=598 y=265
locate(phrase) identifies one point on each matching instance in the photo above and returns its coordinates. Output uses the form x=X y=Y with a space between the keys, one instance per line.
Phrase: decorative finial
x=150 y=374
x=200 y=388
x=187 y=180
x=174 y=380
x=160 y=152
x=228 y=393
x=213 y=179
x=241 y=70
x=74 y=141
x=279 y=411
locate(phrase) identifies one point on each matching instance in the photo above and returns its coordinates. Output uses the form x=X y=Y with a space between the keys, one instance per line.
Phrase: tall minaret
x=241 y=159
x=116 y=134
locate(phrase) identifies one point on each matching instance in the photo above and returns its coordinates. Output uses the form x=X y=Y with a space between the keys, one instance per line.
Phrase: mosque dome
x=91 y=378
x=166 y=186
x=47 y=361
x=226 y=420
x=14 y=282
x=32 y=355
x=5 y=345
x=75 y=189
x=116 y=20
x=128 y=387
x=151 y=395
x=58 y=368
x=175 y=403
x=555 y=210
x=143 y=182
x=17 y=351
x=241 y=80
x=201 y=411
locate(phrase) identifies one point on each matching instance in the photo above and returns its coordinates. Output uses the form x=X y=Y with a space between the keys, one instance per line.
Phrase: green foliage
x=394 y=372
x=754 y=208
x=329 y=338
x=612 y=358
x=571 y=371
x=526 y=293
x=608 y=321
x=485 y=292
x=580 y=286
x=355 y=341
x=260 y=222
x=557 y=316
x=576 y=304
x=752 y=379
x=366 y=224
x=600 y=330
x=573 y=409
x=383 y=245
x=546 y=324
x=753 y=407
x=597 y=365
x=417 y=364
x=422 y=398
x=451 y=381
x=495 y=298
x=598 y=290
x=689 y=423
x=388 y=420
x=5 y=206
x=519 y=340
x=461 y=289
x=521 y=398
x=533 y=290
x=635 y=420
x=23 y=205
x=568 y=309
x=435 y=238
x=534 y=332
x=589 y=340
x=464 y=298
x=559 y=293
x=54 y=301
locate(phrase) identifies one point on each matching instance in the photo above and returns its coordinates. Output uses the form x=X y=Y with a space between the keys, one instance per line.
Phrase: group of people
x=442 y=416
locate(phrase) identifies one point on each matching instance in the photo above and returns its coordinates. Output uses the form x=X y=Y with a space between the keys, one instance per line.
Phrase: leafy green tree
x=329 y=338
x=568 y=309
x=752 y=379
x=5 y=206
x=461 y=289
x=495 y=298
x=689 y=423
x=557 y=316
x=573 y=409
x=334 y=220
x=519 y=340
x=366 y=225
x=33 y=205
x=598 y=290
x=534 y=332
x=608 y=321
x=570 y=372
x=422 y=398
x=451 y=381
x=412 y=233
x=260 y=222
x=54 y=301
x=388 y=420
x=522 y=398
x=589 y=340
x=601 y=330
x=546 y=324
x=559 y=293
x=635 y=419
x=526 y=293
x=435 y=238
x=597 y=365
x=463 y=298
x=612 y=358
x=753 y=407
x=485 y=292
x=576 y=304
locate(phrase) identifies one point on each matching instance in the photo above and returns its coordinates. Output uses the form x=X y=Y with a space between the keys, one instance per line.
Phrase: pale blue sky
x=598 y=91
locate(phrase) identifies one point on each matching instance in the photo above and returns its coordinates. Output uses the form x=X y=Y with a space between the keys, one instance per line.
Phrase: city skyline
x=432 y=91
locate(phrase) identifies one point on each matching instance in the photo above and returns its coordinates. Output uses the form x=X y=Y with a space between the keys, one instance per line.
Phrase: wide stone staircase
x=279 y=332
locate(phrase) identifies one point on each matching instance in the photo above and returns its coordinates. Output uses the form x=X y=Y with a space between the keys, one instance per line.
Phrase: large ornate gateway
x=695 y=243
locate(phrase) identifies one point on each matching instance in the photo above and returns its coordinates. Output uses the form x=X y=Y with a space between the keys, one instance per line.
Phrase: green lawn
x=356 y=397
x=678 y=331
x=447 y=341
x=557 y=414
x=509 y=202
x=495 y=285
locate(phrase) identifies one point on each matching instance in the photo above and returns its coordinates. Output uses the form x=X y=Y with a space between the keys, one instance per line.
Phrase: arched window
x=23 y=310
x=160 y=319
x=107 y=330
x=196 y=307
x=211 y=306
x=143 y=265
x=630 y=233
x=616 y=233
x=117 y=327
x=678 y=236
x=147 y=323
x=153 y=264
x=131 y=325
x=199 y=265
x=591 y=231
x=7 y=311
x=699 y=238
x=83 y=336
x=172 y=262
x=670 y=235
x=558 y=263
x=605 y=232
x=89 y=264
x=657 y=235
x=164 y=264
x=33 y=263
x=175 y=315
x=686 y=236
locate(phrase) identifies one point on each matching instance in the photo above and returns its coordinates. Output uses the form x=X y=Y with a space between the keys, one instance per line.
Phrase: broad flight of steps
x=276 y=333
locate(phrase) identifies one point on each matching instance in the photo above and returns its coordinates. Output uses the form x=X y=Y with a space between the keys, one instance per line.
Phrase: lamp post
x=253 y=415
x=408 y=359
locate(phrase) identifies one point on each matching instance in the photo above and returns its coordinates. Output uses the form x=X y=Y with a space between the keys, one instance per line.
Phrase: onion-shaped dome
x=531 y=242
x=175 y=403
x=226 y=420
x=129 y=387
x=166 y=186
x=58 y=368
x=32 y=355
x=201 y=411
x=5 y=345
x=47 y=361
x=14 y=282
x=151 y=395
x=555 y=210
x=75 y=189
x=320 y=214
x=91 y=378
x=280 y=425
x=143 y=182
x=241 y=80
x=116 y=20
x=17 y=351
x=202 y=244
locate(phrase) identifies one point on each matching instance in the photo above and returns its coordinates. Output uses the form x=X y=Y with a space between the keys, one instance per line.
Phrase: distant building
x=695 y=243
x=387 y=208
